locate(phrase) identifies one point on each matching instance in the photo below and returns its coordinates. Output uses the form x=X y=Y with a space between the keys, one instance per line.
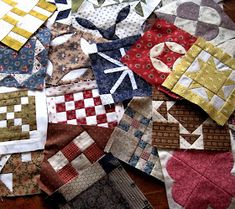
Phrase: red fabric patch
x=135 y=123
x=110 y=108
x=145 y=156
x=67 y=173
x=97 y=101
x=81 y=121
x=87 y=94
x=138 y=57
x=60 y=107
x=90 y=111
x=79 y=104
x=112 y=124
x=93 y=153
x=68 y=97
x=101 y=118
x=71 y=115
x=71 y=151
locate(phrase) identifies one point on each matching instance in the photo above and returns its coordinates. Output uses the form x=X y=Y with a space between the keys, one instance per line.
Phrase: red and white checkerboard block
x=75 y=157
x=84 y=108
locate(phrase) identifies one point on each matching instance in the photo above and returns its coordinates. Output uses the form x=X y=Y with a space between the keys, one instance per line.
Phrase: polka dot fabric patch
x=155 y=53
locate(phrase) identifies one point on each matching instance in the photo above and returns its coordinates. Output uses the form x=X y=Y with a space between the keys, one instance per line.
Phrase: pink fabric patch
x=202 y=179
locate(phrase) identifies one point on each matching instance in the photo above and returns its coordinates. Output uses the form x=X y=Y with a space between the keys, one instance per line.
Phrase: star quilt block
x=153 y=56
x=198 y=179
x=113 y=184
x=19 y=173
x=131 y=140
x=23 y=120
x=115 y=80
x=80 y=104
x=204 y=18
x=179 y=124
x=26 y=68
x=75 y=149
x=205 y=76
x=20 y=21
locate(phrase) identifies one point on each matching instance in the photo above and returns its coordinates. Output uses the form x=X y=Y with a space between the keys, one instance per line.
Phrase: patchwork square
x=113 y=78
x=75 y=157
x=27 y=67
x=131 y=139
x=205 y=76
x=21 y=21
x=21 y=122
x=179 y=124
x=88 y=108
x=153 y=56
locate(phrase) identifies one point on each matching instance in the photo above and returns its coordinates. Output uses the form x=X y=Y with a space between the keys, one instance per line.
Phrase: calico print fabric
x=190 y=174
x=155 y=53
x=27 y=67
x=80 y=103
x=181 y=124
x=68 y=55
x=76 y=148
x=116 y=20
x=18 y=175
x=104 y=185
x=203 y=18
x=131 y=140
x=20 y=21
x=113 y=78
x=205 y=76
x=23 y=120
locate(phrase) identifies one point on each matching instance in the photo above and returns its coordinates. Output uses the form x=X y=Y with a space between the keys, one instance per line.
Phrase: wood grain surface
x=153 y=189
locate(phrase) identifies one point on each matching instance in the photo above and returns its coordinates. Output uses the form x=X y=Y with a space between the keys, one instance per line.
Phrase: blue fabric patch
x=130 y=112
x=142 y=144
x=124 y=126
x=138 y=134
x=149 y=167
x=154 y=151
x=134 y=160
x=145 y=121
x=112 y=76
x=63 y=14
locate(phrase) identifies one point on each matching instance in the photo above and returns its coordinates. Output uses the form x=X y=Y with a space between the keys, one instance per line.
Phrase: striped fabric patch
x=19 y=21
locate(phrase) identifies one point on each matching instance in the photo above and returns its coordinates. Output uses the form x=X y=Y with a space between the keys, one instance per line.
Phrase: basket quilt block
x=153 y=56
x=106 y=183
x=115 y=80
x=179 y=124
x=23 y=120
x=206 y=77
x=131 y=139
x=27 y=67
x=19 y=21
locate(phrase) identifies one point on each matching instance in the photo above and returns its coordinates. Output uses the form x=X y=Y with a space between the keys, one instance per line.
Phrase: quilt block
x=115 y=80
x=204 y=18
x=205 y=76
x=19 y=173
x=66 y=53
x=114 y=21
x=23 y=120
x=103 y=185
x=20 y=21
x=69 y=151
x=198 y=179
x=131 y=139
x=27 y=67
x=153 y=56
x=80 y=104
x=179 y=124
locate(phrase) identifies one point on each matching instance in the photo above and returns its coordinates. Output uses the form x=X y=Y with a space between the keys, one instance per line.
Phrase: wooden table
x=153 y=189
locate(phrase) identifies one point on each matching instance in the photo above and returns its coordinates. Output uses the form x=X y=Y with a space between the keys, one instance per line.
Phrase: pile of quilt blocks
x=87 y=85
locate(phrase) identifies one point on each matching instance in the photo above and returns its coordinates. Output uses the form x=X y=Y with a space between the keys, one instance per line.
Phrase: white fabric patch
x=7 y=179
x=80 y=163
x=26 y=157
x=83 y=141
x=58 y=161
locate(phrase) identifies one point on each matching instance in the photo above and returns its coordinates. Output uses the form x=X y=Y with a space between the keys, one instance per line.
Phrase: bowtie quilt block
x=66 y=55
x=19 y=21
x=69 y=151
x=179 y=124
x=204 y=18
x=198 y=179
x=19 y=173
x=23 y=120
x=27 y=67
x=80 y=104
x=205 y=76
x=115 y=80
x=114 y=21
x=131 y=139
x=106 y=183
x=153 y=56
